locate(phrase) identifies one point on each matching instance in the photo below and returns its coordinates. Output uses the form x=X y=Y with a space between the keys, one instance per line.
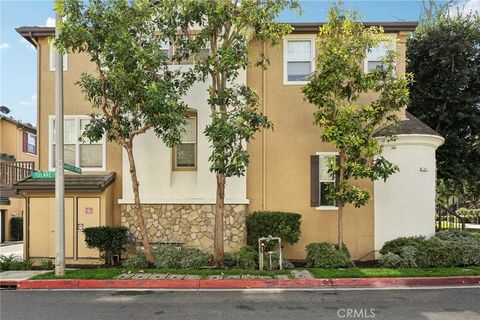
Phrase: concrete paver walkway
x=295 y=274
x=20 y=274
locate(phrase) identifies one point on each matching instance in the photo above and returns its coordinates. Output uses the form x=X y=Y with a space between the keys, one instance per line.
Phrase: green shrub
x=109 y=240
x=6 y=262
x=12 y=262
x=167 y=256
x=137 y=261
x=406 y=258
x=435 y=253
x=391 y=260
x=327 y=255
x=449 y=248
x=395 y=245
x=47 y=264
x=466 y=251
x=229 y=260
x=170 y=257
x=285 y=225
x=193 y=258
x=409 y=257
x=453 y=234
x=246 y=258
x=16 y=228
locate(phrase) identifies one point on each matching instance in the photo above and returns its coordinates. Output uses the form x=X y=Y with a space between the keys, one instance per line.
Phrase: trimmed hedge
x=16 y=228
x=445 y=249
x=109 y=240
x=285 y=225
x=327 y=255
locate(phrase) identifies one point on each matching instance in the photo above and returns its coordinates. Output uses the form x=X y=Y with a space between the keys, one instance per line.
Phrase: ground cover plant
x=449 y=248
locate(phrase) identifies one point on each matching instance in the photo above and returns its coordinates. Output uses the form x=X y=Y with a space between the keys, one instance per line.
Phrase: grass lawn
x=110 y=273
x=400 y=272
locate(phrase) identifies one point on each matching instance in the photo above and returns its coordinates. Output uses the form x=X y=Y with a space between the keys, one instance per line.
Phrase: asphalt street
x=431 y=304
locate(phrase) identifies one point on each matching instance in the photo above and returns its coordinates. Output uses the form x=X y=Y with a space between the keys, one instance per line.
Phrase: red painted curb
x=256 y=283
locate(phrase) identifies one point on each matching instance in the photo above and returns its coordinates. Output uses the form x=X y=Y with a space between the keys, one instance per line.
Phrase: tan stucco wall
x=74 y=104
x=15 y=209
x=279 y=170
x=11 y=141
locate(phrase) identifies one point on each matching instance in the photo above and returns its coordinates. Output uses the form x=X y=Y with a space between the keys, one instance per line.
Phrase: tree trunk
x=340 y=204
x=138 y=207
x=219 y=213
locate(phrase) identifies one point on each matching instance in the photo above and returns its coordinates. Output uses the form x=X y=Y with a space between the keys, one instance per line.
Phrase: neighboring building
x=18 y=157
x=177 y=190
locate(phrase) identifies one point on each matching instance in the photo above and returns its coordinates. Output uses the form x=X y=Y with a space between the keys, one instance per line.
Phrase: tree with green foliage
x=444 y=57
x=225 y=27
x=133 y=89
x=334 y=89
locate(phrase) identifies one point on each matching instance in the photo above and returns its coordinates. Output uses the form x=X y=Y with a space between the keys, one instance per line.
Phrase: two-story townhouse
x=286 y=172
x=18 y=157
x=90 y=197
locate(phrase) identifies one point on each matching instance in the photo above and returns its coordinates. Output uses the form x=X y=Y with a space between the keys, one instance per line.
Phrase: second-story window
x=298 y=59
x=376 y=55
x=86 y=155
x=29 y=142
x=185 y=154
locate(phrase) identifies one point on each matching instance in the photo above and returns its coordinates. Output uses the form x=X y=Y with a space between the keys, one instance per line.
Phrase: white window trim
x=309 y=37
x=77 y=119
x=382 y=44
x=36 y=150
x=326 y=208
x=52 y=59
x=176 y=168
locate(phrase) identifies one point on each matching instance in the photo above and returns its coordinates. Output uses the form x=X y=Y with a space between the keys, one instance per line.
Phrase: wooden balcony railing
x=11 y=172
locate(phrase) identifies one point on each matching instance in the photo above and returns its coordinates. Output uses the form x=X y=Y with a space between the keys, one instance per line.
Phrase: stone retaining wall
x=190 y=224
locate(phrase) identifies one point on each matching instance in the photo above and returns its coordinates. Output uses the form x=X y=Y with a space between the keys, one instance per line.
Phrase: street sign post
x=43 y=175
x=71 y=168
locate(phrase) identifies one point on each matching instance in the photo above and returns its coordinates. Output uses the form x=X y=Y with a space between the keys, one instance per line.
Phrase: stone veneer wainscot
x=190 y=224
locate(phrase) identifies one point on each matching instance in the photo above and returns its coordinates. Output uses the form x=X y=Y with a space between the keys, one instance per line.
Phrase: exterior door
x=41 y=227
x=88 y=215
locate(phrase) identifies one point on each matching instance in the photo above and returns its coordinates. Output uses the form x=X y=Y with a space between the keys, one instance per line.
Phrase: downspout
x=37 y=156
x=264 y=133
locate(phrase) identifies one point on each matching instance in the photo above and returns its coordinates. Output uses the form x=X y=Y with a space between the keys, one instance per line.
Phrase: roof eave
x=312 y=27
x=29 y=32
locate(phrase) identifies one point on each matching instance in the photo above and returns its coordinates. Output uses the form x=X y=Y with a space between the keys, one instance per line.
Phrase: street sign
x=69 y=167
x=43 y=175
